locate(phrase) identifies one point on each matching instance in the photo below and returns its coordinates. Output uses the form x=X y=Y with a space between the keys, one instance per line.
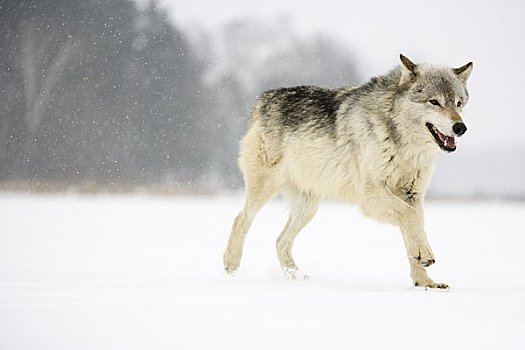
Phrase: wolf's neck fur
x=380 y=109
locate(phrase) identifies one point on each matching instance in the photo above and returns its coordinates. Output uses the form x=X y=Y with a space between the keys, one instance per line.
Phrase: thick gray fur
x=373 y=145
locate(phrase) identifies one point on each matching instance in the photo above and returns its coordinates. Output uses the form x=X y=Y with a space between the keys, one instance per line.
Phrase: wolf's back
x=296 y=108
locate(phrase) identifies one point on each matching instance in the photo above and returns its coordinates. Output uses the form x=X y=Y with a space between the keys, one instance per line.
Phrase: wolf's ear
x=409 y=70
x=464 y=72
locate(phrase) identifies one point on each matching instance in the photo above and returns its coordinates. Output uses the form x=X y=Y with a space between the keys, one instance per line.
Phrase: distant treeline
x=104 y=93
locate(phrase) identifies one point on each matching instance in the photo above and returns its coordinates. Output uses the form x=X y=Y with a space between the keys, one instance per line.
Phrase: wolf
x=373 y=145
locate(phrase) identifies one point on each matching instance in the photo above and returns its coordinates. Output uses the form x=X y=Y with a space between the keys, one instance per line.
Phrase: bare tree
x=40 y=78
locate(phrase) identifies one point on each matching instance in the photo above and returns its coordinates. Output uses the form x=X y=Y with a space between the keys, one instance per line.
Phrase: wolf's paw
x=231 y=262
x=294 y=274
x=431 y=284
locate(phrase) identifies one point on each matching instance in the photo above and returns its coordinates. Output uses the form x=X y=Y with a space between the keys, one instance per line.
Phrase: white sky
x=489 y=33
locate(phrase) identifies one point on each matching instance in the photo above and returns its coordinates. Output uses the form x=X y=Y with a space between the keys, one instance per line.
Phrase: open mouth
x=446 y=143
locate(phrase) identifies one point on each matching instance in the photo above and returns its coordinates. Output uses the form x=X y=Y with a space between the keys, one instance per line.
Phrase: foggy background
x=100 y=95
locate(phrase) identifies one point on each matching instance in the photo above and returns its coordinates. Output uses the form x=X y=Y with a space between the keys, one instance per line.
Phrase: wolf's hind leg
x=302 y=208
x=258 y=193
x=262 y=181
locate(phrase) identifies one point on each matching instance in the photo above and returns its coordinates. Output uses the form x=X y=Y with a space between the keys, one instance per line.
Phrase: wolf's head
x=438 y=95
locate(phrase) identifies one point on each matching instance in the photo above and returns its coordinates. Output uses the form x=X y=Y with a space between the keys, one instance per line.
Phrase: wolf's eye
x=459 y=104
x=434 y=102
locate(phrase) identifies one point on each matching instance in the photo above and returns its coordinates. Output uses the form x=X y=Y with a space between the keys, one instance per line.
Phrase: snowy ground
x=134 y=272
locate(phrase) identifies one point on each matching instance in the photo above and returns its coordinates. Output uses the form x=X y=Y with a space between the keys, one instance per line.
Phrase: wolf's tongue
x=450 y=141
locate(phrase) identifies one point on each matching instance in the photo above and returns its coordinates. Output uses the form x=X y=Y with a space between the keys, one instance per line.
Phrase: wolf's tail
x=255 y=113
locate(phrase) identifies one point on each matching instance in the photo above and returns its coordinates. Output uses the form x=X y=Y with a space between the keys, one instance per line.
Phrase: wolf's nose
x=459 y=128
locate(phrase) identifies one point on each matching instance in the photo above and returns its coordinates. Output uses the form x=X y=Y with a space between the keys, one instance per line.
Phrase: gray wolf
x=373 y=145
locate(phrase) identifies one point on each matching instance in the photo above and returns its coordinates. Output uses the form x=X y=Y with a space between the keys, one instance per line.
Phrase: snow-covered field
x=138 y=272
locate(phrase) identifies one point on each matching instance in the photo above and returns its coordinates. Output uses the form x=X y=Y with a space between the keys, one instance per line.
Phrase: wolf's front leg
x=419 y=252
x=410 y=221
x=381 y=204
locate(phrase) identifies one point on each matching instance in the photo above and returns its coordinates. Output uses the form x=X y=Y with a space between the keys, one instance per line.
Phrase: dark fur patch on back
x=301 y=105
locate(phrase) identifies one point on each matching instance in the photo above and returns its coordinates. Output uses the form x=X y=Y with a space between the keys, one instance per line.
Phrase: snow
x=139 y=272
